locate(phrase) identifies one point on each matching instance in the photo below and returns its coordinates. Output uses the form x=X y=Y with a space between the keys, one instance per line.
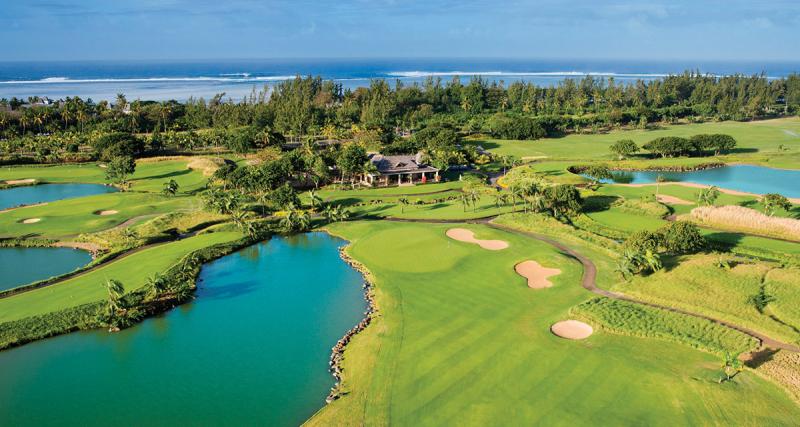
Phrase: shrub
x=682 y=238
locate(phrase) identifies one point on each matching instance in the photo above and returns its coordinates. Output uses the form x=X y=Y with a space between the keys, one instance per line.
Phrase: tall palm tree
x=316 y=201
x=403 y=203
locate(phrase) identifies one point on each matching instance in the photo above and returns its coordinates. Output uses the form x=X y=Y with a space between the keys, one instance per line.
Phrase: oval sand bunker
x=31 y=220
x=571 y=330
x=536 y=274
x=467 y=236
x=104 y=213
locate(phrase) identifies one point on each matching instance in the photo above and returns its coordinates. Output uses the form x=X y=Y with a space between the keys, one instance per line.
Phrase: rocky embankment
x=337 y=353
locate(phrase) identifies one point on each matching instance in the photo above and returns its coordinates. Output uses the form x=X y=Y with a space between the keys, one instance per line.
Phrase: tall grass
x=738 y=218
x=627 y=318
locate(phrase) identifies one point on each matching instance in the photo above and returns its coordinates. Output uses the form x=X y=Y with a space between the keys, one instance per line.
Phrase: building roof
x=404 y=163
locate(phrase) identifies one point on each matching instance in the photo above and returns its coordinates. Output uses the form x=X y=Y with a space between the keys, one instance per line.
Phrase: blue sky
x=200 y=29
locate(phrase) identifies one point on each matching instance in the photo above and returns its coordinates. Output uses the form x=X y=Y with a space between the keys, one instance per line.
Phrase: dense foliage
x=39 y=129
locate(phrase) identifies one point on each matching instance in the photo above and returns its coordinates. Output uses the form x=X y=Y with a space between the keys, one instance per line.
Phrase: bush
x=682 y=238
x=643 y=241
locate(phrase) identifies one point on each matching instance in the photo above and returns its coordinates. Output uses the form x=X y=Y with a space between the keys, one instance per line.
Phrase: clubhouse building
x=400 y=170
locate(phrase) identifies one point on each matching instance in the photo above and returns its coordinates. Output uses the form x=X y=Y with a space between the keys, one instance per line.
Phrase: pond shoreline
x=337 y=352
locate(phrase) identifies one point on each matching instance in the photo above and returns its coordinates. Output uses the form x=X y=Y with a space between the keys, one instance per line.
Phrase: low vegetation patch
x=738 y=218
x=627 y=318
x=783 y=367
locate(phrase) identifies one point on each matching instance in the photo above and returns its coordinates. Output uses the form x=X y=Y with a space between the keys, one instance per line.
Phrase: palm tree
x=170 y=187
x=652 y=260
x=403 y=203
x=659 y=179
x=708 y=196
x=316 y=201
x=156 y=285
x=731 y=365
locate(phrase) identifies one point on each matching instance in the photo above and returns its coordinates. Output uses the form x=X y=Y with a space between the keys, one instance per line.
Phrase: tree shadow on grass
x=724 y=241
x=165 y=175
x=760 y=357
x=598 y=203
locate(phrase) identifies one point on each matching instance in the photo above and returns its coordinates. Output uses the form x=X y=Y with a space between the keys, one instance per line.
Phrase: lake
x=251 y=349
x=31 y=194
x=20 y=266
x=747 y=178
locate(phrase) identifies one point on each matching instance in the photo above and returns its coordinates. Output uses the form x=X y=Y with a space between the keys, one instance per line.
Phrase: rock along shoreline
x=337 y=352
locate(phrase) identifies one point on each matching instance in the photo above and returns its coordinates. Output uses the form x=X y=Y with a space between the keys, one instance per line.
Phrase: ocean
x=179 y=80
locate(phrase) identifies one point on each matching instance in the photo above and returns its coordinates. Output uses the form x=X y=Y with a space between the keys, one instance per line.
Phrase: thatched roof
x=404 y=163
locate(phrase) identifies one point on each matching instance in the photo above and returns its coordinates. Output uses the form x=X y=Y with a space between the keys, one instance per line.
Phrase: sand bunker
x=20 y=181
x=31 y=220
x=467 y=236
x=536 y=274
x=571 y=330
x=672 y=200
x=104 y=213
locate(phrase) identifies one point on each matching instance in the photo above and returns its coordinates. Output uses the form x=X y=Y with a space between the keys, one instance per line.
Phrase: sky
x=210 y=29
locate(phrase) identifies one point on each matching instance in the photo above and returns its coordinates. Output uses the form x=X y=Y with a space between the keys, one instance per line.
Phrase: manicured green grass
x=697 y=284
x=71 y=217
x=462 y=341
x=758 y=142
x=639 y=320
x=149 y=175
x=389 y=191
x=132 y=271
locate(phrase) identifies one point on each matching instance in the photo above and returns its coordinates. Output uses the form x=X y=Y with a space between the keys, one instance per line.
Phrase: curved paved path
x=589 y=282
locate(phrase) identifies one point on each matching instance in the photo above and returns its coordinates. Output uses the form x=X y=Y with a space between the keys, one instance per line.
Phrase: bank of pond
x=252 y=348
x=745 y=178
x=43 y=193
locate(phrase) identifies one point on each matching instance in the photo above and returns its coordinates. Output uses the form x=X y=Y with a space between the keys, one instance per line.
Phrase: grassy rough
x=745 y=220
x=627 y=318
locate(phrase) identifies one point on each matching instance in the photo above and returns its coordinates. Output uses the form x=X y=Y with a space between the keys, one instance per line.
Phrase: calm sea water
x=748 y=178
x=160 y=80
x=251 y=349
x=28 y=195
x=19 y=266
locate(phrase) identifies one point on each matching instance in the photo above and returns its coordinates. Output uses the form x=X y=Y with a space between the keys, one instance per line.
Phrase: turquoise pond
x=31 y=194
x=19 y=266
x=251 y=349
x=747 y=178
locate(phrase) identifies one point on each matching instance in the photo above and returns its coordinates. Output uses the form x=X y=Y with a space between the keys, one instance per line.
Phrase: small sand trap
x=31 y=220
x=571 y=330
x=672 y=200
x=467 y=236
x=104 y=213
x=536 y=274
x=20 y=181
